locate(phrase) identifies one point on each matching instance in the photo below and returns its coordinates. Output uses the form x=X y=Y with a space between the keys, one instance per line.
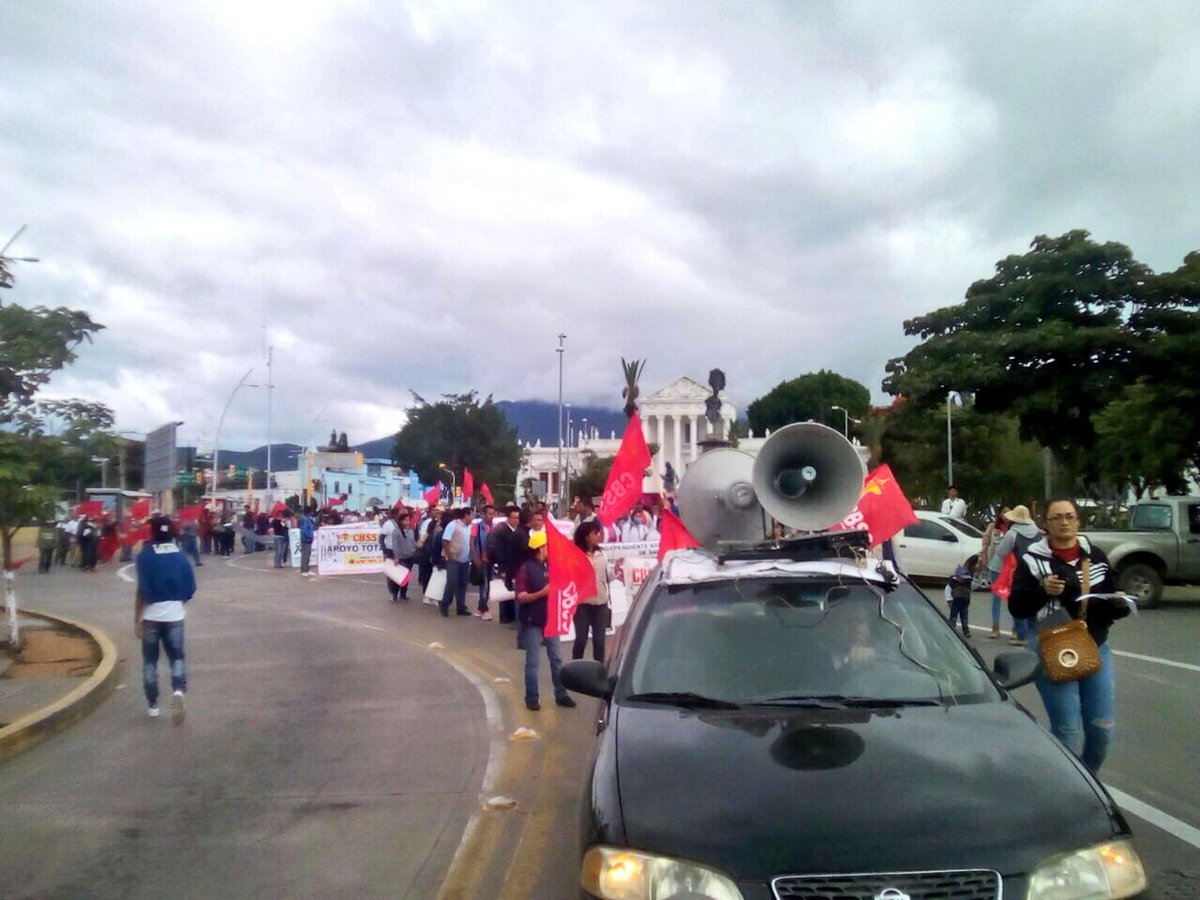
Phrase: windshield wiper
x=683 y=698
x=839 y=701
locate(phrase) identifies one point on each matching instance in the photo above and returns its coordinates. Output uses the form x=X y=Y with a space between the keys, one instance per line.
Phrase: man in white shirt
x=954 y=505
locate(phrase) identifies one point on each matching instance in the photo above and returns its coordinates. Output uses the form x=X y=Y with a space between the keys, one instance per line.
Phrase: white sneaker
x=177 y=707
x=487 y=617
x=153 y=712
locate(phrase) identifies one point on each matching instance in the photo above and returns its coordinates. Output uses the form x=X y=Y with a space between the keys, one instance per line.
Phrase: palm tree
x=633 y=371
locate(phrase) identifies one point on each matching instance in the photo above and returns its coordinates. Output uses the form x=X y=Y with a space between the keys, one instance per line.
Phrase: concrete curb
x=32 y=729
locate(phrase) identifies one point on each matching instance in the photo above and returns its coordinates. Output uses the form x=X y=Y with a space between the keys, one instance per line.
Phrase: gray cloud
x=424 y=195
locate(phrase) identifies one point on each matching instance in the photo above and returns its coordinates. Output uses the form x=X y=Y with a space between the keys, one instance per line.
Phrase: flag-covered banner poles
x=624 y=486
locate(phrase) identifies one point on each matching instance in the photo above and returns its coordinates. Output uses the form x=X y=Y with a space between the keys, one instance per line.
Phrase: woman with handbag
x=592 y=613
x=1077 y=682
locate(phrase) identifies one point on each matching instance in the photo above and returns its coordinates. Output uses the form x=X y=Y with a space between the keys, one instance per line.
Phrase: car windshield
x=776 y=640
x=965 y=527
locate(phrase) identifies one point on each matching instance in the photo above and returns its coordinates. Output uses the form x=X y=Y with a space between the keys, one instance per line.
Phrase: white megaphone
x=716 y=498
x=808 y=476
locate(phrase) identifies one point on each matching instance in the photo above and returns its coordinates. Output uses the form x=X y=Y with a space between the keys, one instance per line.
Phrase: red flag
x=90 y=508
x=129 y=538
x=190 y=513
x=337 y=501
x=882 y=508
x=433 y=495
x=399 y=504
x=141 y=509
x=278 y=508
x=572 y=580
x=487 y=494
x=624 y=485
x=468 y=485
x=673 y=534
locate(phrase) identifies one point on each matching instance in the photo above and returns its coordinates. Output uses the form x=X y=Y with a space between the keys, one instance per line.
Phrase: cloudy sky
x=422 y=195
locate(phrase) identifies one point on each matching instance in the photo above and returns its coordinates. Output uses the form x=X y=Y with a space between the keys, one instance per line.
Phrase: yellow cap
x=537 y=539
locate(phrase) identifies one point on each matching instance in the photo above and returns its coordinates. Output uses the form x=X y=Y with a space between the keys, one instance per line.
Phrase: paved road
x=320 y=757
x=330 y=752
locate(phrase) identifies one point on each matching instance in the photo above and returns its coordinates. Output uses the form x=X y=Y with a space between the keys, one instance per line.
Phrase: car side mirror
x=1016 y=668
x=586 y=676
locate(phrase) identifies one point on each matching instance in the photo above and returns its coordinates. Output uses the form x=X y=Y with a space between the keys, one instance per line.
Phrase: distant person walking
x=89 y=544
x=456 y=551
x=954 y=505
x=592 y=614
x=47 y=541
x=403 y=540
x=189 y=540
x=165 y=582
x=533 y=589
x=308 y=530
x=280 y=525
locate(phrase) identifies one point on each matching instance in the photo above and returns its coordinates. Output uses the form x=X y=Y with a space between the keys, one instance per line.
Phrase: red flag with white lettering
x=673 y=534
x=572 y=580
x=624 y=485
x=487 y=494
x=468 y=484
x=882 y=508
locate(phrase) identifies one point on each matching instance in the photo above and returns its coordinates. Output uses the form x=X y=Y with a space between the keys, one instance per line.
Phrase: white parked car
x=936 y=545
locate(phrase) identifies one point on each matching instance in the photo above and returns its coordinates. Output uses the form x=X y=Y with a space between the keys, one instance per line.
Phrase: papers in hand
x=1129 y=601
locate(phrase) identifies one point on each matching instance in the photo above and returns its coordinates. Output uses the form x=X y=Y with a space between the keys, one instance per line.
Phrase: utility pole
x=270 y=388
x=567 y=474
x=559 y=473
x=949 y=443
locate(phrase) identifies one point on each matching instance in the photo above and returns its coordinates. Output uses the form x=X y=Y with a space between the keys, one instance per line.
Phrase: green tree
x=41 y=443
x=1139 y=438
x=1044 y=338
x=992 y=465
x=810 y=396
x=590 y=482
x=459 y=431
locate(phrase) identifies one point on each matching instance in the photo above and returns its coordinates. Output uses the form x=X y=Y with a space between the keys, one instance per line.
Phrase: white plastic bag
x=437 y=585
x=498 y=591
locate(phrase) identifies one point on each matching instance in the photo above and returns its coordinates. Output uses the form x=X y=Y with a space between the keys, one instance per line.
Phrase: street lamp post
x=949 y=442
x=221 y=421
x=567 y=470
x=846 y=420
x=559 y=471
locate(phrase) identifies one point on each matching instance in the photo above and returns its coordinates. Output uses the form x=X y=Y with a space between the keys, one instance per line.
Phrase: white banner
x=348 y=549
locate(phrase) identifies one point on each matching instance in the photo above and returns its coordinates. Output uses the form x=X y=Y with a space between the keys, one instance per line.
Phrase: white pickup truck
x=1162 y=546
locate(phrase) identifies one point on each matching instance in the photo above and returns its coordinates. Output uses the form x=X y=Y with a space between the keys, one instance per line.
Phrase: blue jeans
x=170 y=635
x=281 y=549
x=533 y=638
x=458 y=574
x=191 y=547
x=484 y=586
x=958 y=610
x=1087 y=706
x=995 y=610
x=1022 y=628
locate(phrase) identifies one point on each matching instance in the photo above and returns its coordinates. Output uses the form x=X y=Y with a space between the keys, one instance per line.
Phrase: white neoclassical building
x=673 y=418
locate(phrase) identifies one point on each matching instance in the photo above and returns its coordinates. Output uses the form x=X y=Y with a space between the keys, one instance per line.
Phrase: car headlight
x=1106 y=872
x=618 y=874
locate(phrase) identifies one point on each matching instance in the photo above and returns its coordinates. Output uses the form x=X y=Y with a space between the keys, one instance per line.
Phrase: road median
x=32 y=728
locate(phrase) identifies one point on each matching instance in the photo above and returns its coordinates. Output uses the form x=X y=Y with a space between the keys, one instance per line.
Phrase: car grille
x=966 y=885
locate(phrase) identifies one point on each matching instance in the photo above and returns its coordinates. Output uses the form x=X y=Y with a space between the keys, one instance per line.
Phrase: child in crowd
x=958 y=595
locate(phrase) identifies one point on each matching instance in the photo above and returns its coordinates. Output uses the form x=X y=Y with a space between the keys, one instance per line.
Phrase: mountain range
x=534 y=420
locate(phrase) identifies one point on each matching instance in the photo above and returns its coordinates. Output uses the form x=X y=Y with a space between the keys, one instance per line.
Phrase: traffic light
x=199 y=477
x=232 y=471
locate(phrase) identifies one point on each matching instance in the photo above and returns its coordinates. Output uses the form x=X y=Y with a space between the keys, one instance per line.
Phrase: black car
x=780 y=729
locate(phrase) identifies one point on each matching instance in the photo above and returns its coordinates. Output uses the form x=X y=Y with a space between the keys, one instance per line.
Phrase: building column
x=695 y=437
x=677 y=451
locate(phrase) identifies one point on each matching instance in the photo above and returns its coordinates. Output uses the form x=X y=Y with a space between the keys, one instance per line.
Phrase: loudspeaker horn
x=808 y=476
x=716 y=498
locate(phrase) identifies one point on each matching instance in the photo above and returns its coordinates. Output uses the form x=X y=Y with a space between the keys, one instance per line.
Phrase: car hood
x=761 y=793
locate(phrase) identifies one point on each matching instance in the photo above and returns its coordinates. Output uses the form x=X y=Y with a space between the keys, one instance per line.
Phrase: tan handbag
x=1067 y=650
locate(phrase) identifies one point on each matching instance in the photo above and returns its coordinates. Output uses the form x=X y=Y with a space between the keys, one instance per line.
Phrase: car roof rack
x=816 y=546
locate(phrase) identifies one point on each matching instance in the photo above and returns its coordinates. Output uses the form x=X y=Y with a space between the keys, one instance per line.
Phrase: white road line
x=123 y=573
x=1156 y=817
x=1157 y=659
x=1154 y=659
